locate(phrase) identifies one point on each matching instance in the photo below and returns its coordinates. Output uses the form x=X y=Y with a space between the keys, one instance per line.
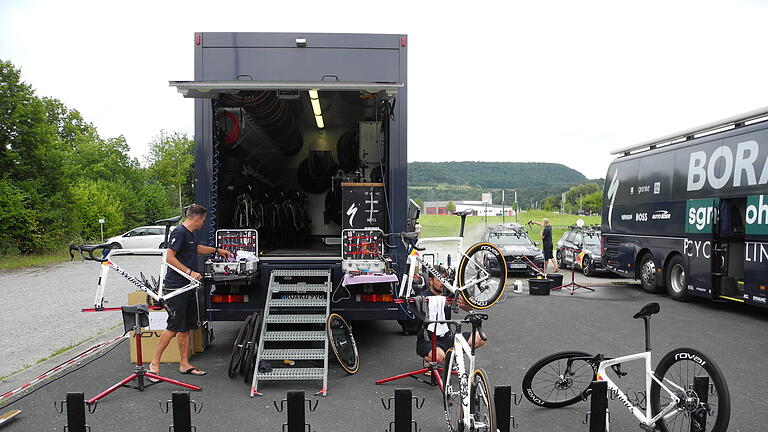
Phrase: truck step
x=300 y=272
x=300 y=287
x=288 y=374
x=293 y=354
x=298 y=302
x=296 y=319
x=273 y=336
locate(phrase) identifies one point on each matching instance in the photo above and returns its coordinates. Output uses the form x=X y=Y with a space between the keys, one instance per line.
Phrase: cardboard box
x=149 y=339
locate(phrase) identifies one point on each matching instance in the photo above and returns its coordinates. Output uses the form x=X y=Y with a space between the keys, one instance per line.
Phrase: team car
x=586 y=243
x=520 y=252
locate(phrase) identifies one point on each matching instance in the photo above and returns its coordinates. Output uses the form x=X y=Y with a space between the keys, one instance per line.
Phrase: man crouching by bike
x=444 y=334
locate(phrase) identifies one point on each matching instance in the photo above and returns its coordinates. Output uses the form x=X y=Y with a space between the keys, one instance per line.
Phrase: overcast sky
x=521 y=81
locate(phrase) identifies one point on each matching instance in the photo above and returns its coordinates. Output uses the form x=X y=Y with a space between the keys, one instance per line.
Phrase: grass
x=448 y=226
x=32 y=260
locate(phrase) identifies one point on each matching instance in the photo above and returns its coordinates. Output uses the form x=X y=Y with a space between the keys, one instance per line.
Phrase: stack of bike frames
x=280 y=217
x=273 y=115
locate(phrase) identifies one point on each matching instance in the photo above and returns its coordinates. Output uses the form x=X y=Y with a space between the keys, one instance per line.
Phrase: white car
x=146 y=237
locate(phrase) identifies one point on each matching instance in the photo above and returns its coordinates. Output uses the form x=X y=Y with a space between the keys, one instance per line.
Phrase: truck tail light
x=197 y=38
x=229 y=298
x=403 y=41
x=371 y=298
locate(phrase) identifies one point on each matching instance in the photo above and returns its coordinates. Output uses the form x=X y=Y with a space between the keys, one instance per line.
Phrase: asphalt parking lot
x=521 y=330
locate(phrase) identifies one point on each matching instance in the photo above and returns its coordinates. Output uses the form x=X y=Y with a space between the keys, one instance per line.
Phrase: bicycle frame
x=158 y=296
x=650 y=377
x=461 y=349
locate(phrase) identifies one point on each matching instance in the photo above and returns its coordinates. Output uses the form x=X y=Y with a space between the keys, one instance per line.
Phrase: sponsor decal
x=738 y=169
x=697 y=248
x=661 y=214
x=613 y=189
x=626 y=217
x=759 y=299
x=757 y=214
x=631 y=190
x=689 y=356
x=756 y=252
x=641 y=217
x=351 y=212
x=657 y=188
x=702 y=213
x=643 y=189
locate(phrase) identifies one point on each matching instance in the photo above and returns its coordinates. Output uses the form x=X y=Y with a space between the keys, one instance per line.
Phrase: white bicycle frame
x=650 y=377
x=461 y=349
x=414 y=257
x=98 y=301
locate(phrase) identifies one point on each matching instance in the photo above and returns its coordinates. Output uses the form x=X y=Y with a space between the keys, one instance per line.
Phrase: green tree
x=593 y=202
x=451 y=207
x=94 y=200
x=171 y=160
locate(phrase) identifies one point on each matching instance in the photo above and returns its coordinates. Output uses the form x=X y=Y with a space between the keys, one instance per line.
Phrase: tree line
x=586 y=197
x=58 y=177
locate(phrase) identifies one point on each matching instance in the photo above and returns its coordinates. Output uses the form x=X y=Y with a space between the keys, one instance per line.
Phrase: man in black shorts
x=424 y=336
x=182 y=309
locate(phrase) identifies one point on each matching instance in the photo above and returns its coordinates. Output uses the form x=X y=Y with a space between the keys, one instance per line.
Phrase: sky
x=554 y=81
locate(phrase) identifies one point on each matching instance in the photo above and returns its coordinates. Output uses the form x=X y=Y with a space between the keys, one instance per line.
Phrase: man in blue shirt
x=182 y=309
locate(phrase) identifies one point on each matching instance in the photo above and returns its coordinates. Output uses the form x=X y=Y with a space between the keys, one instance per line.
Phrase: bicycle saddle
x=463 y=213
x=648 y=310
x=169 y=221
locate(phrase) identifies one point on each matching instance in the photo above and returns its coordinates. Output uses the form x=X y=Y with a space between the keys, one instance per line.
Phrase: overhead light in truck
x=315 y=99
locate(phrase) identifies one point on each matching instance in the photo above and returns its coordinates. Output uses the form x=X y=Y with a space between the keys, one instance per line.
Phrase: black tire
x=452 y=400
x=481 y=401
x=253 y=347
x=560 y=259
x=485 y=294
x=545 y=377
x=647 y=273
x=162 y=245
x=115 y=245
x=237 y=349
x=247 y=348
x=586 y=266
x=680 y=366
x=342 y=342
x=675 y=278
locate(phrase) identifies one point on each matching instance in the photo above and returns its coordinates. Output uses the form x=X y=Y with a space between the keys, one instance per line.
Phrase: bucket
x=557 y=279
x=539 y=286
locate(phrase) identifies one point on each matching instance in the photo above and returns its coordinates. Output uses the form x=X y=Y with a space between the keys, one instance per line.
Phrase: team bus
x=688 y=212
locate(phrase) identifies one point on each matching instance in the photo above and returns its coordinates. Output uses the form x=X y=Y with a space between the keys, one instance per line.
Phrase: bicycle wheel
x=343 y=343
x=252 y=348
x=480 y=404
x=677 y=371
x=454 y=390
x=478 y=284
x=237 y=349
x=547 y=384
x=247 y=348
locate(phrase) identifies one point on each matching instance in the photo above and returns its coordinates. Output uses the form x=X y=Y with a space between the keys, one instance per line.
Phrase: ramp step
x=295 y=319
x=293 y=354
x=294 y=336
x=300 y=287
x=287 y=374
x=298 y=302
x=301 y=272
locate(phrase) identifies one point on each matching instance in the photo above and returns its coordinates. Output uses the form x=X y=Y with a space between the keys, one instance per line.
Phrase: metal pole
x=517 y=207
x=502 y=206
x=598 y=407
x=403 y=410
x=101 y=226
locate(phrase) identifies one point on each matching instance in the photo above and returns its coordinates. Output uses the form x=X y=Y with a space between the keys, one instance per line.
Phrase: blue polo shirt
x=184 y=243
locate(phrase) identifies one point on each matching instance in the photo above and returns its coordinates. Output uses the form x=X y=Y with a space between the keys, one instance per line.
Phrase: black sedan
x=586 y=244
x=519 y=251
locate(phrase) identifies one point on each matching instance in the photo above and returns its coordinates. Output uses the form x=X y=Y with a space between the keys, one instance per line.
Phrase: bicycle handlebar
x=89 y=249
x=408 y=238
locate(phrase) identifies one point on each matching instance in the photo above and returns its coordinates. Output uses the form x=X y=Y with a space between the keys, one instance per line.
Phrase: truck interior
x=281 y=154
x=729 y=253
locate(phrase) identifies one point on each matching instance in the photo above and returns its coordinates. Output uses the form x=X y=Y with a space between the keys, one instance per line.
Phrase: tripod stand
x=140 y=315
x=572 y=286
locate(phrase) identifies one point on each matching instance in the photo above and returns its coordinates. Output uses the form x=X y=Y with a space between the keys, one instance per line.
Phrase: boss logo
x=689 y=356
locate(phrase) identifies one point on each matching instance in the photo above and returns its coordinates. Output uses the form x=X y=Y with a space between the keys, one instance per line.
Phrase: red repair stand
x=572 y=286
x=433 y=368
x=139 y=372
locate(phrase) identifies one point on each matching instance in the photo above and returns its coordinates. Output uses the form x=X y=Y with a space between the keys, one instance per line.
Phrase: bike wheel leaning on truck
x=480 y=287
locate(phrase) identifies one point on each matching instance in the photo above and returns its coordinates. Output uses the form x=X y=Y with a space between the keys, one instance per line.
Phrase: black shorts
x=424 y=347
x=547 y=252
x=182 y=312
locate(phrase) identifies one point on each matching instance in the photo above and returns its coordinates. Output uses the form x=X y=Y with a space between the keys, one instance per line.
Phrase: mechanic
x=546 y=243
x=182 y=309
x=424 y=336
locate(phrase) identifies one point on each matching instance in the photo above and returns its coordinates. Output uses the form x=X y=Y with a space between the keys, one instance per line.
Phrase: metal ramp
x=293 y=330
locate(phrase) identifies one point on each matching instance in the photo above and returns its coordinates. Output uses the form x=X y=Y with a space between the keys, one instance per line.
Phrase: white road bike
x=686 y=392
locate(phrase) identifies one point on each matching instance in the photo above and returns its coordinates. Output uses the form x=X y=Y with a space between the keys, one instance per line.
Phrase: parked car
x=518 y=248
x=586 y=242
x=146 y=237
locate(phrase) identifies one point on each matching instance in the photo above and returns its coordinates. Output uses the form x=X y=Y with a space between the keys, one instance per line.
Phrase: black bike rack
x=296 y=416
x=182 y=415
x=502 y=400
x=598 y=416
x=404 y=402
x=75 y=403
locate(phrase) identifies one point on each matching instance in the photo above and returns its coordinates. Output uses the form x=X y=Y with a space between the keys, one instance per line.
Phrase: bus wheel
x=677 y=285
x=648 y=273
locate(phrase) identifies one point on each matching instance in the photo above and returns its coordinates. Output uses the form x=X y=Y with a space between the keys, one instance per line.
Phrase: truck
x=288 y=126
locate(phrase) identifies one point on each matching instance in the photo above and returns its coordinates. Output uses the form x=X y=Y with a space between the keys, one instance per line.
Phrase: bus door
x=755 y=262
x=728 y=251
x=700 y=230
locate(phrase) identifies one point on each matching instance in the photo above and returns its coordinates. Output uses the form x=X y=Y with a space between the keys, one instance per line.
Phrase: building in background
x=477 y=208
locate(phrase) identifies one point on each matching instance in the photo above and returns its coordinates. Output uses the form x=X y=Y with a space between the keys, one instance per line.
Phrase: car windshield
x=592 y=240
x=510 y=240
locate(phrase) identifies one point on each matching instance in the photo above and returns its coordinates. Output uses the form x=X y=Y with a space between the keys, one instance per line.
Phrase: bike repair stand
x=572 y=286
x=140 y=315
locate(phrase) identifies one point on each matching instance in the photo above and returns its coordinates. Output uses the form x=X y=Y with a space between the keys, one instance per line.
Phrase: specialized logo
x=613 y=189
x=735 y=168
x=661 y=215
x=351 y=212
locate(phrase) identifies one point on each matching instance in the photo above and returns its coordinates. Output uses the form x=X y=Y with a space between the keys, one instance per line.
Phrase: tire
x=247 y=348
x=586 y=266
x=545 y=377
x=675 y=278
x=237 y=349
x=342 y=342
x=162 y=245
x=647 y=275
x=253 y=347
x=488 y=292
x=481 y=401
x=560 y=259
x=116 y=245
x=680 y=366
x=452 y=388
